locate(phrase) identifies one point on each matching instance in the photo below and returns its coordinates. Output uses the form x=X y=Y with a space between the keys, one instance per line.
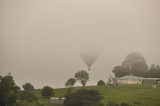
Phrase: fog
x=41 y=39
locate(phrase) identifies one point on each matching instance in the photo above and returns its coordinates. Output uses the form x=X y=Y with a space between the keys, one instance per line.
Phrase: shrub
x=100 y=83
x=47 y=92
x=83 y=98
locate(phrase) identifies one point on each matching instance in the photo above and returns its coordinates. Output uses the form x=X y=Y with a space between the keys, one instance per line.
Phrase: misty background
x=40 y=40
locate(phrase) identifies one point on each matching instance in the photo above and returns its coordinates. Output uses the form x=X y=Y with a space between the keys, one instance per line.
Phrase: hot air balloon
x=89 y=59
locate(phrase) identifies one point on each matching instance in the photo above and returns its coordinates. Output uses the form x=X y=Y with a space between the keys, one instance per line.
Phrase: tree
x=100 y=83
x=83 y=98
x=109 y=82
x=47 y=92
x=151 y=71
x=28 y=87
x=70 y=82
x=135 y=64
x=157 y=71
x=82 y=76
x=28 y=93
x=8 y=93
x=154 y=71
x=120 y=71
x=17 y=88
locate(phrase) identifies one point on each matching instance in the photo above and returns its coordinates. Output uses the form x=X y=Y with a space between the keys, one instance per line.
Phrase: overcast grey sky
x=41 y=39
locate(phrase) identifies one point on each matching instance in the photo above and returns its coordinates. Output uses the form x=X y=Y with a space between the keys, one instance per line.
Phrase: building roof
x=130 y=77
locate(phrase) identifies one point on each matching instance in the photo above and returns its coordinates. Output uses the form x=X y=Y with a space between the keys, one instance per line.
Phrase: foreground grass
x=120 y=94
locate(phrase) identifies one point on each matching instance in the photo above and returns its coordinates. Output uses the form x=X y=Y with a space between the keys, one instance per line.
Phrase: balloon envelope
x=89 y=59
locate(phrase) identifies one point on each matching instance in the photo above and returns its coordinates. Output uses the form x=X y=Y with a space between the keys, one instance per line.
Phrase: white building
x=130 y=80
x=56 y=100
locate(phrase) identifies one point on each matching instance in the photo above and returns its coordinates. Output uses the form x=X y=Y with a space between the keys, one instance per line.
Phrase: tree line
x=135 y=64
x=12 y=95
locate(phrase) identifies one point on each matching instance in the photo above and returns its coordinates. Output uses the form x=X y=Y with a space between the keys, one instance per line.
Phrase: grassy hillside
x=126 y=93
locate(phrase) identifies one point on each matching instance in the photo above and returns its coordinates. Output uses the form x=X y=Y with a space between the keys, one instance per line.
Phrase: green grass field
x=145 y=94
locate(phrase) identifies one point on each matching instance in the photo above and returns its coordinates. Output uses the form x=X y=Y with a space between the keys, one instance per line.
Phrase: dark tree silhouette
x=47 y=92
x=8 y=91
x=70 y=82
x=28 y=87
x=100 y=83
x=83 y=98
x=82 y=76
